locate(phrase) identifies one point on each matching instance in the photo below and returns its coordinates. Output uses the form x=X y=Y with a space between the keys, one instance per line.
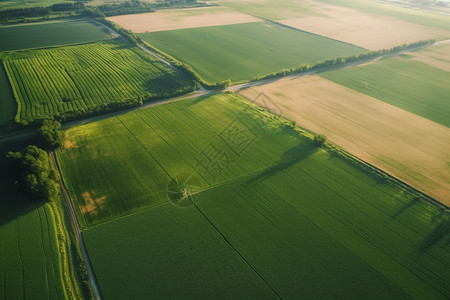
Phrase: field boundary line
x=235 y=249
x=78 y=234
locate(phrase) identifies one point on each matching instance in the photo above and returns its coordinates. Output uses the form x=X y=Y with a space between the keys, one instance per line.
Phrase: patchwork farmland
x=413 y=86
x=273 y=196
x=229 y=54
x=241 y=149
x=365 y=28
x=404 y=144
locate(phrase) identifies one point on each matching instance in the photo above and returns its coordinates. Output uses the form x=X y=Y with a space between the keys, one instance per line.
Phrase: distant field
x=437 y=56
x=7 y=103
x=412 y=15
x=227 y=52
x=273 y=214
x=71 y=81
x=50 y=34
x=172 y=19
x=413 y=86
x=10 y=4
x=363 y=29
x=411 y=147
x=351 y=24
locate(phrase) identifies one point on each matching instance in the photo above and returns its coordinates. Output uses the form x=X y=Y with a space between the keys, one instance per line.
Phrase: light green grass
x=307 y=221
x=76 y=80
x=407 y=84
x=50 y=34
x=241 y=52
x=7 y=103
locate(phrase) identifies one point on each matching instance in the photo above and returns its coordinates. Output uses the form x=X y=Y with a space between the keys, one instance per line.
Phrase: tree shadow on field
x=198 y=100
x=14 y=202
x=289 y=158
x=414 y=201
x=441 y=234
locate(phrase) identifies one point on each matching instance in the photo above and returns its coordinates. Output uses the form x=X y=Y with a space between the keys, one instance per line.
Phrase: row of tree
x=40 y=11
x=104 y=10
x=344 y=60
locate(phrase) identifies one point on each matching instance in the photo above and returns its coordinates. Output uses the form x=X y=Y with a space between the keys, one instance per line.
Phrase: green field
x=76 y=80
x=29 y=255
x=241 y=52
x=273 y=214
x=407 y=84
x=50 y=34
x=7 y=103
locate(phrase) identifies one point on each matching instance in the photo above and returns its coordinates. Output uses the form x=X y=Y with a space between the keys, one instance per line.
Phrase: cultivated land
x=410 y=85
x=437 y=56
x=76 y=80
x=227 y=52
x=406 y=145
x=181 y=19
x=36 y=35
x=412 y=15
x=364 y=29
x=30 y=264
x=273 y=214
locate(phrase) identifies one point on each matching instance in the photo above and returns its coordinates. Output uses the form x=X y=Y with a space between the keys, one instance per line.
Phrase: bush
x=36 y=173
x=50 y=132
x=319 y=140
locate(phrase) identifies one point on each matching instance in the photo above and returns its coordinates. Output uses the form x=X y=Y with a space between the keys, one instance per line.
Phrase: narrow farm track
x=92 y=278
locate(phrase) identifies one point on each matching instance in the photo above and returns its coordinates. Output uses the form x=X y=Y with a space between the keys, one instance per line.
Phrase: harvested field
x=181 y=19
x=408 y=146
x=363 y=29
x=437 y=56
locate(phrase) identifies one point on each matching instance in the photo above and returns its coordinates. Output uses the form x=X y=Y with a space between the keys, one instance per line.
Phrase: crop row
x=71 y=81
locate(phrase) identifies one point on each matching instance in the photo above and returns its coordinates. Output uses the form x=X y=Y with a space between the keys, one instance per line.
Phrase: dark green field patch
x=50 y=34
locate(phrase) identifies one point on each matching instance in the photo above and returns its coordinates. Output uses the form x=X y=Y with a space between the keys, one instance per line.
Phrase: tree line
x=104 y=10
x=344 y=60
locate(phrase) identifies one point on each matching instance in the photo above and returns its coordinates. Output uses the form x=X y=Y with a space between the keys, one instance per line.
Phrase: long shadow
x=289 y=158
x=14 y=202
x=441 y=233
x=414 y=201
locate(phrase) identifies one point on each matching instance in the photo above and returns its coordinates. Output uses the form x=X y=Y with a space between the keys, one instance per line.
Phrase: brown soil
x=181 y=19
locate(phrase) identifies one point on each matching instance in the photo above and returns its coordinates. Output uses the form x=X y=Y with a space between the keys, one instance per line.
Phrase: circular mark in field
x=183 y=190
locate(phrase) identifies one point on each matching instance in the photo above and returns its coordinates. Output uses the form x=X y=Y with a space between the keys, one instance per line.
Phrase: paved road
x=91 y=274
